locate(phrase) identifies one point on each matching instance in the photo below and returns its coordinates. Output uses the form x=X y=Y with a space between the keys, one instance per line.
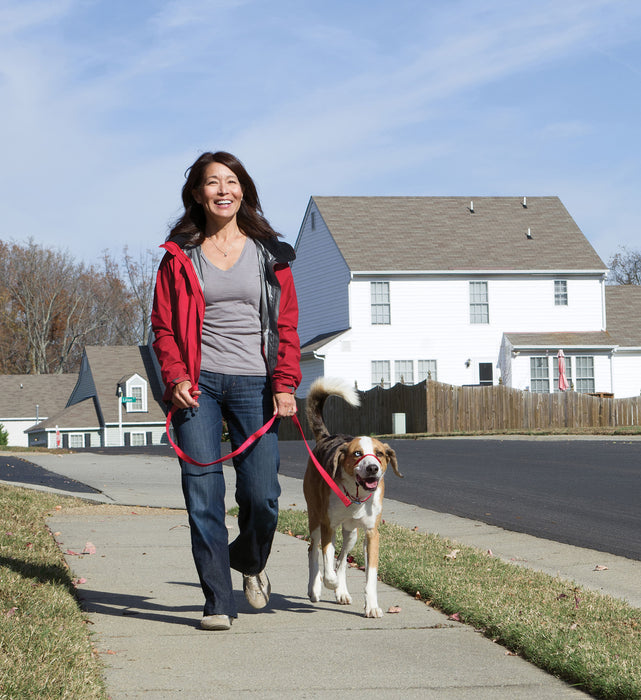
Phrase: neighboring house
x=466 y=291
x=101 y=411
x=28 y=399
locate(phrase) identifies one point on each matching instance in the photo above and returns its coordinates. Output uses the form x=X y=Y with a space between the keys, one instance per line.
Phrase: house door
x=486 y=377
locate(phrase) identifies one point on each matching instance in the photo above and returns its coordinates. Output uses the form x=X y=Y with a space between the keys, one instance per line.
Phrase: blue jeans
x=246 y=404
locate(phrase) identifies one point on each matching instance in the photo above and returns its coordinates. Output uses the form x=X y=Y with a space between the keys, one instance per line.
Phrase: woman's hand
x=284 y=404
x=182 y=397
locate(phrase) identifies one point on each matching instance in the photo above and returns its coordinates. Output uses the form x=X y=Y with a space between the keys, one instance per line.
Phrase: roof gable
x=457 y=233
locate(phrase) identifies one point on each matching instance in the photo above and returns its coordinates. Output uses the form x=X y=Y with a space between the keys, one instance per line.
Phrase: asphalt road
x=581 y=492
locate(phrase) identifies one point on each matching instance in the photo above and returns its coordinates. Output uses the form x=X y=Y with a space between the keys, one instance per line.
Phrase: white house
x=116 y=401
x=465 y=290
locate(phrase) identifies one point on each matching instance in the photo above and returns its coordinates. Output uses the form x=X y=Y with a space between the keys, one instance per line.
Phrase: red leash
x=250 y=440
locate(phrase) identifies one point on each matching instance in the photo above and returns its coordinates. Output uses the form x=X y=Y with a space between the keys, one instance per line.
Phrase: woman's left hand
x=284 y=404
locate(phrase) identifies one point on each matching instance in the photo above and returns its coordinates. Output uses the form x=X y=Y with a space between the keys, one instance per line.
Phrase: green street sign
x=129 y=399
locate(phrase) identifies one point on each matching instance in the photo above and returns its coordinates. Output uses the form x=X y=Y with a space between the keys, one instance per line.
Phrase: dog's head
x=364 y=460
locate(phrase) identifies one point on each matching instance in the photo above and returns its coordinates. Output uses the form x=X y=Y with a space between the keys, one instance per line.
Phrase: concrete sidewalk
x=145 y=604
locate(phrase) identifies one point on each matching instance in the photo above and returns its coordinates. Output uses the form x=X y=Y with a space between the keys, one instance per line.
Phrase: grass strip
x=45 y=646
x=588 y=639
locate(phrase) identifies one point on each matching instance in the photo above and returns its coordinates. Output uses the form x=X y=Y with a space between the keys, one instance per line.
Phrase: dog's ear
x=337 y=462
x=391 y=457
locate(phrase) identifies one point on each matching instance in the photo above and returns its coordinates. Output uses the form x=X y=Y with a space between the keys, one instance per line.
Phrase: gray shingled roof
x=108 y=366
x=19 y=394
x=441 y=233
x=623 y=314
x=561 y=340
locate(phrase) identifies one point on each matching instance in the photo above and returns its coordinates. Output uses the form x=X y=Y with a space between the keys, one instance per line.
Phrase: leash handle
x=184 y=456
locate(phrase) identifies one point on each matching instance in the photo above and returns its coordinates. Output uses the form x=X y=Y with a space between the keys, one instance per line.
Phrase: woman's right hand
x=182 y=397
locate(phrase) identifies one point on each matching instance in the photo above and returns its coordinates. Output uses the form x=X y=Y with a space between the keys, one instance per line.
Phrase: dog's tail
x=318 y=393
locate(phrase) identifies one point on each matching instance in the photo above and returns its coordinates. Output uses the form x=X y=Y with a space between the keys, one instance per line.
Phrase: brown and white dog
x=357 y=465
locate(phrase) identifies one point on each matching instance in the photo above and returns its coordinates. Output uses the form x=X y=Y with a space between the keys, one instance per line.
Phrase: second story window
x=380 y=303
x=560 y=293
x=404 y=371
x=479 y=304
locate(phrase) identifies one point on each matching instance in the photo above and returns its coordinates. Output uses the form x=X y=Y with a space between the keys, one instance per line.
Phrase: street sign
x=129 y=399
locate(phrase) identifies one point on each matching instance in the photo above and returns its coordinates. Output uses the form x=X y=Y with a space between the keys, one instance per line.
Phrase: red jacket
x=179 y=310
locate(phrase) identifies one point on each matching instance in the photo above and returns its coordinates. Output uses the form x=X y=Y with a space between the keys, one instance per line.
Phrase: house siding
x=322 y=278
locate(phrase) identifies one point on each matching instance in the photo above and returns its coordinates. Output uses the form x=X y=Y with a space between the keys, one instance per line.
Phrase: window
x=555 y=371
x=138 y=439
x=380 y=303
x=381 y=373
x=136 y=388
x=404 y=371
x=539 y=375
x=584 y=374
x=76 y=440
x=427 y=370
x=486 y=375
x=479 y=306
x=560 y=293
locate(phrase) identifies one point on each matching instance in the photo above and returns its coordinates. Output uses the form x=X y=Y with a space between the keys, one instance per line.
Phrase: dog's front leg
x=328 y=536
x=349 y=540
x=315 y=582
x=370 y=550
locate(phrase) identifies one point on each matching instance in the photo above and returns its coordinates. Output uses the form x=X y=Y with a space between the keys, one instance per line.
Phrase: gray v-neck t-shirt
x=231 y=342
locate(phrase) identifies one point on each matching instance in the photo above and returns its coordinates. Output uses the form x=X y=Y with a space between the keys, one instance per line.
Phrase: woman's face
x=220 y=194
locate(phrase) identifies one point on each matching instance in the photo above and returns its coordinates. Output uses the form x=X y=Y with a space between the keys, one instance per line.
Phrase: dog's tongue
x=371 y=484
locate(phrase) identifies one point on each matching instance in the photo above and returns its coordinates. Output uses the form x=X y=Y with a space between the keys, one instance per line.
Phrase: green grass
x=590 y=640
x=45 y=645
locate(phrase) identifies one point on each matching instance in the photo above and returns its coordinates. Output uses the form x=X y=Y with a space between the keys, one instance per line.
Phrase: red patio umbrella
x=563 y=380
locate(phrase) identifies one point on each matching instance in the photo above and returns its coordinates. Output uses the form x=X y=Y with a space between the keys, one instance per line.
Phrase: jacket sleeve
x=287 y=374
x=172 y=365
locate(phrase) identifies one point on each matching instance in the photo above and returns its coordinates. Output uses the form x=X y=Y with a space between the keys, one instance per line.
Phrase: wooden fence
x=432 y=407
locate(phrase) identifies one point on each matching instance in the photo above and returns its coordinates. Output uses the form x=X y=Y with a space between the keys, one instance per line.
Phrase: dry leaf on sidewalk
x=90 y=548
x=600 y=567
x=394 y=609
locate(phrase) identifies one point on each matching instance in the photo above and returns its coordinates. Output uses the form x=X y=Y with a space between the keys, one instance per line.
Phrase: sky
x=105 y=103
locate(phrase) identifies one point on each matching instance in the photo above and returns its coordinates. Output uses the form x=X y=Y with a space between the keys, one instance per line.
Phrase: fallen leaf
x=394 y=609
x=489 y=551
x=58 y=507
x=455 y=616
x=70 y=552
x=11 y=612
x=415 y=528
x=600 y=567
x=452 y=554
x=510 y=653
x=78 y=581
x=29 y=545
x=417 y=595
x=90 y=548
x=573 y=626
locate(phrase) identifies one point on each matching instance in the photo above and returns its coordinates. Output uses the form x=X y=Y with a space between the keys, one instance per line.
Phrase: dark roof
x=623 y=314
x=441 y=233
x=107 y=366
x=320 y=340
x=20 y=393
x=561 y=340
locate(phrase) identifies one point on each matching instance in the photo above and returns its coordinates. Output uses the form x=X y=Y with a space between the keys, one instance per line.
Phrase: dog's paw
x=314 y=593
x=343 y=597
x=331 y=582
x=373 y=612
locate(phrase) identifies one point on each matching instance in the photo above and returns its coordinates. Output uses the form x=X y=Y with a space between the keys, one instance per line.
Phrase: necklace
x=225 y=253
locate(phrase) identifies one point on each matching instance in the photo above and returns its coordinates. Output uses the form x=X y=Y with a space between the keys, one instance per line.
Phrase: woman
x=224 y=320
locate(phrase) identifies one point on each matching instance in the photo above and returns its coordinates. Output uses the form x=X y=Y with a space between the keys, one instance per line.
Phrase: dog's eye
x=380 y=453
x=358 y=453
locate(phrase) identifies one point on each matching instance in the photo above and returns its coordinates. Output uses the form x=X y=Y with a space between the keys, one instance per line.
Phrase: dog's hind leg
x=315 y=584
x=349 y=540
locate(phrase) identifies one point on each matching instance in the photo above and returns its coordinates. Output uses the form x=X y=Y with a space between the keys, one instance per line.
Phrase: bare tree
x=625 y=267
x=54 y=306
x=141 y=277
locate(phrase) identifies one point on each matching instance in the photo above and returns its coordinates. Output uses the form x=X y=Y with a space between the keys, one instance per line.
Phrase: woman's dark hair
x=191 y=225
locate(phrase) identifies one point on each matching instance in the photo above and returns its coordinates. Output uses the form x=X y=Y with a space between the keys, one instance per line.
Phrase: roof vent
x=529 y=234
x=524 y=202
x=471 y=207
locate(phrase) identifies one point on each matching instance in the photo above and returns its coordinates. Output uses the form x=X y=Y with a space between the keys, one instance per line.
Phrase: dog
x=357 y=465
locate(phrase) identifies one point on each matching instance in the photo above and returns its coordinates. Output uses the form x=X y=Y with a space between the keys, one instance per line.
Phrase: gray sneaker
x=215 y=622
x=257 y=589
